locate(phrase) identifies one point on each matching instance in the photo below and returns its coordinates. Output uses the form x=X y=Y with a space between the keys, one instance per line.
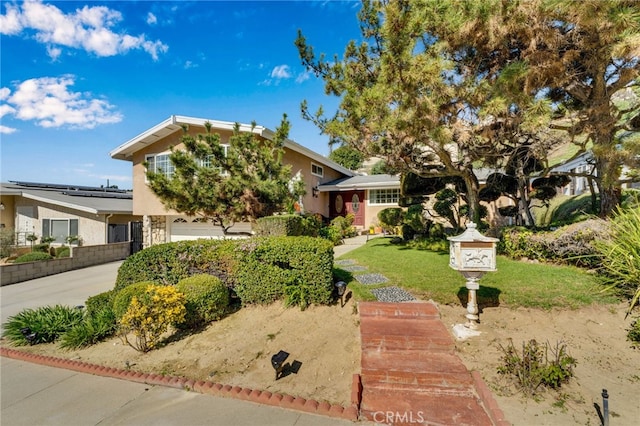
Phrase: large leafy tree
x=586 y=55
x=226 y=184
x=423 y=83
x=348 y=157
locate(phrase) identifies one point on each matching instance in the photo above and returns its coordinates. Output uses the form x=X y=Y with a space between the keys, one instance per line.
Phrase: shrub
x=272 y=268
x=46 y=323
x=207 y=299
x=311 y=225
x=149 y=316
x=620 y=254
x=42 y=248
x=390 y=218
x=123 y=298
x=35 y=256
x=7 y=240
x=93 y=329
x=279 y=226
x=169 y=263
x=63 y=251
x=332 y=234
x=101 y=301
x=534 y=368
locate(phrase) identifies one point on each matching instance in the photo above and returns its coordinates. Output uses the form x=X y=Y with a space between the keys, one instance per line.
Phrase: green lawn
x=427 y=275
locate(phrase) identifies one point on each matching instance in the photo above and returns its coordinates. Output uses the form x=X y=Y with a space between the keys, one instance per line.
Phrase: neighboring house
x=582 y=166
x=95 y=215
x=153 y=146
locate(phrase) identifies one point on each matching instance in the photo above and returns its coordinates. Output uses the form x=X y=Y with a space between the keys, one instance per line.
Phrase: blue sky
x=80 y=78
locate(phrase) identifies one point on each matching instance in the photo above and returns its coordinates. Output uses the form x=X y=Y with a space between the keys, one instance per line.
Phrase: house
x=95 y=215
x=153 y=147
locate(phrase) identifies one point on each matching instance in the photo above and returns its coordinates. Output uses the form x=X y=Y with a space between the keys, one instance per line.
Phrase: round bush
x=122 y=300
x=35 y=256
x=207 y=299
x=63 y=251
x=100 y=302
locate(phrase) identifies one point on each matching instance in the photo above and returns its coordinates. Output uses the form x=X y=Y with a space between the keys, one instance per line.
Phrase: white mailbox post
x=473 y=255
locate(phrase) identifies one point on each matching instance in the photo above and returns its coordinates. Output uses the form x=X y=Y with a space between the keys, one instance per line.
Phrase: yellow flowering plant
x=150 y=315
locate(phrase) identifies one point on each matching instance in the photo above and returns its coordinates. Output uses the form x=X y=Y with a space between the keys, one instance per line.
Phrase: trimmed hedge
x=99 y=302
x=207 y=299
x=34 y=256
x=259 y=269
x=282 y=225
x=169 y=263
x=280 y=266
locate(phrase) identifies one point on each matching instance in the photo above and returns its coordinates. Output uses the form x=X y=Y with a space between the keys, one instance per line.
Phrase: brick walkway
x=410 y=373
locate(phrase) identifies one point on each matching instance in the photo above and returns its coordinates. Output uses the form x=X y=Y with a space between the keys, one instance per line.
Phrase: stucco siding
x=91 y=227
x=7 y=218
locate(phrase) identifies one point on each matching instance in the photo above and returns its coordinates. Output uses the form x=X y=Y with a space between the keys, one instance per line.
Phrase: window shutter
x=73 y=227
x=46 y=227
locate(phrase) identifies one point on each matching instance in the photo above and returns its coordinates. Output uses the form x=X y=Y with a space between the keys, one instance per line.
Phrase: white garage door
x=185 y=228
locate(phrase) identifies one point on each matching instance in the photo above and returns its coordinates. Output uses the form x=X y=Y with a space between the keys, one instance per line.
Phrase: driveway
x=70 y=288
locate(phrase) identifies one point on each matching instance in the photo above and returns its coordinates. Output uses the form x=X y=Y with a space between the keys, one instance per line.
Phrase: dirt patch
x=326 y=341
x=237 y=350
x=595 y=336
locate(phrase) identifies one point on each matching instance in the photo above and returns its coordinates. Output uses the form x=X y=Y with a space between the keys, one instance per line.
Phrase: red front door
x=343 y=203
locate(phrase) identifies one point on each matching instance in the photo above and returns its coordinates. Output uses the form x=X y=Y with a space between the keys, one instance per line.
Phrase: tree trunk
x=473 y=200
x=609 y=185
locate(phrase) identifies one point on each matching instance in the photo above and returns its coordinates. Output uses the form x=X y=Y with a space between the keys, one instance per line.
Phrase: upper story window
x=159 y=163
x=207 y=161
x=384 y=196
x=317 y=170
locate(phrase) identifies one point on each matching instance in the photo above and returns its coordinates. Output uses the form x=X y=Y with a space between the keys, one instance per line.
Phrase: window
x=317 y=170
x=207 y=161
x=59 y=229
x=384 y=196
x=159 y=163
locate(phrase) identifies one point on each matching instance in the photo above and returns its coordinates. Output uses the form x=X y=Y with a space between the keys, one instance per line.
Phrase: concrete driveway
x=70 y=288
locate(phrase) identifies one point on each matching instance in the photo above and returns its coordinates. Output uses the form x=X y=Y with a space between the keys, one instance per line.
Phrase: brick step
x=373 y=343
x=402 y=327
x=404 y=310
x=382 y=379
x=412 y=360
x=426 y=407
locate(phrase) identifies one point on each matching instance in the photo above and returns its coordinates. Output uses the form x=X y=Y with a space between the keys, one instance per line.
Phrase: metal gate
x=136 y=236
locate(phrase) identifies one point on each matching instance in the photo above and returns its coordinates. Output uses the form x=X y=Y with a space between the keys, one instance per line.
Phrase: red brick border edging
x=201 y=386
x=491 y=405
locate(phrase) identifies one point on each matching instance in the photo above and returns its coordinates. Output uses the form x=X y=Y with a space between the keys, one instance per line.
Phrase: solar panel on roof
x=97 y=194
x=69 y=187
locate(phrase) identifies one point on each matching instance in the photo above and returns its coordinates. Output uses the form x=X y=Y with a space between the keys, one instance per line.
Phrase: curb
x=204 y=387
x=488 y=400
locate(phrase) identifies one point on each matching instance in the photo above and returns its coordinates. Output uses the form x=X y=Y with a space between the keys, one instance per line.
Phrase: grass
x=564 y=209
x=427 y=275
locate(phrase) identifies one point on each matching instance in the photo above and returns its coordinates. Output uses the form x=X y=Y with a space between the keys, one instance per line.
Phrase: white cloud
x=281 y=72
x=49 y=102
x=54 y=52
x=190 y=64
x=151 y=19
x=89 y=29
x=6 y=130
x=303 y=77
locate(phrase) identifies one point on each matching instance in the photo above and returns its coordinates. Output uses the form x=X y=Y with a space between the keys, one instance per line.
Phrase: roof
x=175 y=122
x=361 y=182
x=83 y=198
x=381 y=181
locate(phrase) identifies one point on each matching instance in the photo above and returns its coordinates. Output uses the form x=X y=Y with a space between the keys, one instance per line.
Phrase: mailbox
x=472 y=251
x=473 y=255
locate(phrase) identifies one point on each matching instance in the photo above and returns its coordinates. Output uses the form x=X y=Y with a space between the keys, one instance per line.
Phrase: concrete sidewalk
x=353 y=243
x=34 y=394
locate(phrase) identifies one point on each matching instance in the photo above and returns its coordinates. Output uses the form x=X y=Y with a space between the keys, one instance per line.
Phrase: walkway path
x=410 y=373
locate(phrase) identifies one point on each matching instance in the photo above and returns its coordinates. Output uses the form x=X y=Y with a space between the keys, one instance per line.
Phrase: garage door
x=184 y=228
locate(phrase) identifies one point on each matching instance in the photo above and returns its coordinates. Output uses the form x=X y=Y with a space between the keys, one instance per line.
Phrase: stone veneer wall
x=154 y=230
x=81 y=257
